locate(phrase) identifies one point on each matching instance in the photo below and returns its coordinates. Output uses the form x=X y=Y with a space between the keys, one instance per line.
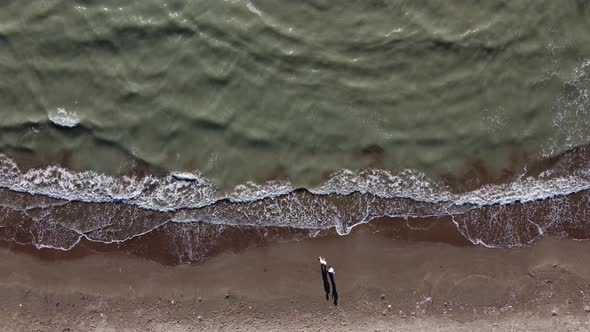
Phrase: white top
x=331 y=270
x=322 y=262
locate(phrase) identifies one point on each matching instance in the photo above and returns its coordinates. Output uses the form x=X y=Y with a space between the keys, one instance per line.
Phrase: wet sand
x=192 y=234
x=432 y=283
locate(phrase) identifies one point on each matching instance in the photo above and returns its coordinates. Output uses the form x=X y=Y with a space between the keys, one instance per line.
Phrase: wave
x=184 y=190
x=54 y=207
x=63 y=118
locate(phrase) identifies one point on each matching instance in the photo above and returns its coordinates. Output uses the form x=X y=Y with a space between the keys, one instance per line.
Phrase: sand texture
x=384 y=285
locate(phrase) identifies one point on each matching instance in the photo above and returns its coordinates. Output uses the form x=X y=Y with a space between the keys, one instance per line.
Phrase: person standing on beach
x=325 y=277
x=334 y=292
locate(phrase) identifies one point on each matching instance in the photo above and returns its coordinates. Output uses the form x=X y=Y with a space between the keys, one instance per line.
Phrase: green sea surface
x=252 y=90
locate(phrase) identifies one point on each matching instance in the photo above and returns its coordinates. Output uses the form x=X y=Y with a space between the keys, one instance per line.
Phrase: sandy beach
x=180 y=165
x=386 y=283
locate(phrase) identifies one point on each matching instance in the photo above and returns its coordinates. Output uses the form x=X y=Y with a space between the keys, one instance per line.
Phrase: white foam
x=253 y=9
x=182 y=193
x=187 y=176
x=63 y=118
x=192 y=190
x=407 y=184
x=190 y=197
x=571 y=110
x=251 y=191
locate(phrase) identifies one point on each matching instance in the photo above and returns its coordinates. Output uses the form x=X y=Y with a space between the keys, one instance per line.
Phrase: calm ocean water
x=245 y=101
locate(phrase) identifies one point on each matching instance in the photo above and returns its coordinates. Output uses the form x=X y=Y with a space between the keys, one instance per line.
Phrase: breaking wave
x=178 y=191
x=63 y=118
x=54 y=207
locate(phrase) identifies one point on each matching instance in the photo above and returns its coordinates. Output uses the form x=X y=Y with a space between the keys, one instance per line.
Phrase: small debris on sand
x=587 y=308
x=554 y=312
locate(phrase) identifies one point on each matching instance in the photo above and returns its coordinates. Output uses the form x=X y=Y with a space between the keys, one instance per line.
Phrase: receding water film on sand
x=180 y=165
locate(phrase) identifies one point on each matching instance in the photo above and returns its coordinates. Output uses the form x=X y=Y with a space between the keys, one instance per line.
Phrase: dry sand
x=384 y=285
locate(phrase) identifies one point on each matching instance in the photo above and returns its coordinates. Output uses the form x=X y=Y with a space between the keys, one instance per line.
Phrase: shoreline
x=496 y=216
x=430 y=285
x=171 y=243
x=157 y=245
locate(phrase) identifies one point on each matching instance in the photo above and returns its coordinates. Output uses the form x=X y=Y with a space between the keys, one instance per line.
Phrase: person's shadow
x=334 y=291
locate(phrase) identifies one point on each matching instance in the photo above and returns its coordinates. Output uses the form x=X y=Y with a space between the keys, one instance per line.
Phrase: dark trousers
x=326 y=284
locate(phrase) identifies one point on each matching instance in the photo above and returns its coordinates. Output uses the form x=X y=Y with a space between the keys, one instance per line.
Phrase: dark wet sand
x=433 y=281
x=159 y=245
